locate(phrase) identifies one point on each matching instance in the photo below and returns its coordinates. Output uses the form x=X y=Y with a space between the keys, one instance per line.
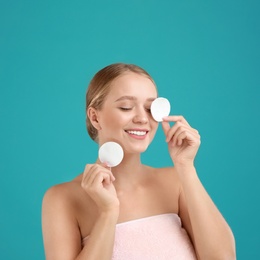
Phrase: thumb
x=105 y=165
x=166 y=127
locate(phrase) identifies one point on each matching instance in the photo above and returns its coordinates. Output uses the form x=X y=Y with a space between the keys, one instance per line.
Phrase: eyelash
x=125 y=108
x=128 y=109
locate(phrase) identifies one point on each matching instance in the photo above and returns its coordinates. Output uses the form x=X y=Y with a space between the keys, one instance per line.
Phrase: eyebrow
x=132 y=98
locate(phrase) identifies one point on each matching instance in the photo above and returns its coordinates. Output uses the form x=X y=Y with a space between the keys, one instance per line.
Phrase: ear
x=93 y=117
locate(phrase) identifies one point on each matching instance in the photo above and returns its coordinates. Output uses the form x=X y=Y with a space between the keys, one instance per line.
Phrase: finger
x=178 y=126
x=180 y=138
x=88 y=176
x=100 y=179
x=104 y=168
x=97 y=169
x=97 y=185
x=175 y=119
x=166 y=127
x=87 y=168
x=182 y=135
x=105 y=165
x=86 y=173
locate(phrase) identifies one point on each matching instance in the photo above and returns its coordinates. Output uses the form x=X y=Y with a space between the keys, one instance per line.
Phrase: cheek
x=154 y=126
x=113 y=120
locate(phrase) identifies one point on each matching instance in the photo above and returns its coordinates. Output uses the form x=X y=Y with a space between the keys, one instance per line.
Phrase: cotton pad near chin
x=111 y=153
x=160 y=108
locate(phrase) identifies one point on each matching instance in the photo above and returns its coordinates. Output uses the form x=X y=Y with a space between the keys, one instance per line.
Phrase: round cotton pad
x=110 y=153
x=160 y=108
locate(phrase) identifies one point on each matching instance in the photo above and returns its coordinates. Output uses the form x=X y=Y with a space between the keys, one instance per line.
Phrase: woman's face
x=125 y=116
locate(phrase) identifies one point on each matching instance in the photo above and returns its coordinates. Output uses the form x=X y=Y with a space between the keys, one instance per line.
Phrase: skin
x=95 y=201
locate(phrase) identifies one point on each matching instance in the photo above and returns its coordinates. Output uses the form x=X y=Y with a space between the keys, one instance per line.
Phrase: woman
x=134 y=211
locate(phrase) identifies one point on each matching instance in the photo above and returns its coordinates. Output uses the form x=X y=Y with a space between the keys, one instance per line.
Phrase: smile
x=139 y=133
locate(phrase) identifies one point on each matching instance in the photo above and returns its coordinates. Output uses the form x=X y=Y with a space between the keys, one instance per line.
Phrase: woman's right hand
x=97 y=181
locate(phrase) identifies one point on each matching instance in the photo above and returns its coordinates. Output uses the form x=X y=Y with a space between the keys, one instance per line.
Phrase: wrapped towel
x=159 y=237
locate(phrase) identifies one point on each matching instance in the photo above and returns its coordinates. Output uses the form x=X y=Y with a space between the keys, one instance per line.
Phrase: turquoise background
x=204 y=56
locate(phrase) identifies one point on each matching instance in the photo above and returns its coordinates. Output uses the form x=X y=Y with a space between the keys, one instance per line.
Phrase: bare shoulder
x=70 y=204
x=61 y=192
x=167 y=178
x=61 y=208
x=166 y=184
x=67 y=198
x=166 y=170
x=61 y=197
x=166 y=174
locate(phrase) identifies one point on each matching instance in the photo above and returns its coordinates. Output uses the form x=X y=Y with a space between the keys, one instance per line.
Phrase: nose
x=140 y=117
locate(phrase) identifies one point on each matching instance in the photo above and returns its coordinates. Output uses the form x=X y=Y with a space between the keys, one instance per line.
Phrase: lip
x=139 y=137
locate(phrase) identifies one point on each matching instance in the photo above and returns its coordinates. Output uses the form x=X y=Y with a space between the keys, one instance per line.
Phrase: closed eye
x=125 y=108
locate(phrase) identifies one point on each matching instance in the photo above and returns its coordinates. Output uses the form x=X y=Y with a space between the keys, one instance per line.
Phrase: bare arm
x=61 y=232
x=101 y=240
x=207 y=228
x=210 y=234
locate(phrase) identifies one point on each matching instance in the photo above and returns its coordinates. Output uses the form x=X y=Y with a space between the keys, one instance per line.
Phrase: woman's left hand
x=183 y=140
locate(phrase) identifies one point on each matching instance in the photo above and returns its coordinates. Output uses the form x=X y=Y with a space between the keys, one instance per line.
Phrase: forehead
x=133 y=84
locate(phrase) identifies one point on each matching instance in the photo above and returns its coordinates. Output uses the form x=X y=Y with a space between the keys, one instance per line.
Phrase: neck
x=130 y=172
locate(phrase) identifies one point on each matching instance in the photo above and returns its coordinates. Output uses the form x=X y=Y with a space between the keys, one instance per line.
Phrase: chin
x=135 y=148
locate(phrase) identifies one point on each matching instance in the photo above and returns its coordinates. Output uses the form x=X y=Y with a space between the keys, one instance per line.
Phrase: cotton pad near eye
x=160 y=108
x=111 y=153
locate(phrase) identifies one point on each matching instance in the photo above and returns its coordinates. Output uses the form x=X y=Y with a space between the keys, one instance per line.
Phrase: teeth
x=137 y=132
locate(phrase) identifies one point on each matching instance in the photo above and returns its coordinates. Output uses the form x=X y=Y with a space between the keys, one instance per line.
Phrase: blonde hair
x=99 y=88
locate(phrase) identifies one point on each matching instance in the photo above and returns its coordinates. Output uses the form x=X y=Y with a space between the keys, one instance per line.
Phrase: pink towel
x=159 y=237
